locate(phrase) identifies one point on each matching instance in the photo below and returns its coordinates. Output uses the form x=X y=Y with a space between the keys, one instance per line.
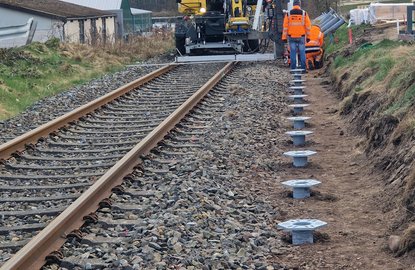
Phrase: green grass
x=34 y=72
x=387 y=66
x=358 y=89
x=403 y=80
x=30 y=73
x=404 y=102
x=340 y=38
x=339 y=41
x=378 y=53
x=384 y=65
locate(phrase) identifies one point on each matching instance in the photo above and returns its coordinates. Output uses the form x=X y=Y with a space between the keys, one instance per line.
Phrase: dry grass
x=402 y=74
x=3 y=111
x=121 y=51
x=389 y=71
x=409 y=192
x=407 y=241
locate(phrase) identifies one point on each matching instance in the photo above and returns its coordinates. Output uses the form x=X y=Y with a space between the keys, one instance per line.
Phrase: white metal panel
x=46 y=27
x=136 y=11
x=258 y=10
x=97 y=4
x=16 y=31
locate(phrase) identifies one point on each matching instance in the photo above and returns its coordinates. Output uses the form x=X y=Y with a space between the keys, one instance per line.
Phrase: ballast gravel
x=205 y=213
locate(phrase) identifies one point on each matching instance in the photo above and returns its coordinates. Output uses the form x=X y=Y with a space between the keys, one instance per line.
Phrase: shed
x=66 y=21
x=129 y=20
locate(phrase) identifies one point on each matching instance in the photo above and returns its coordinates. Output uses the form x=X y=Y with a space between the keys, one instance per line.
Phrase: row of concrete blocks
x=301 y=229
x=300 y=158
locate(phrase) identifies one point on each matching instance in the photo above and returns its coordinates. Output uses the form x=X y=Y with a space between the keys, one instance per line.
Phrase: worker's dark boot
x=310 y=65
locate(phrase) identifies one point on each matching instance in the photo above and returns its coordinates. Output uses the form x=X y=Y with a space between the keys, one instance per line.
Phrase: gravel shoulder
x=349 y=197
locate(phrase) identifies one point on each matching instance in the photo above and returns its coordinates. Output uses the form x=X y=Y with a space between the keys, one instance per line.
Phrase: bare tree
x=316 y=7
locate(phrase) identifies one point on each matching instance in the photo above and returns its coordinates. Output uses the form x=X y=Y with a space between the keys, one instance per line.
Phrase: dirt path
x=357 y=228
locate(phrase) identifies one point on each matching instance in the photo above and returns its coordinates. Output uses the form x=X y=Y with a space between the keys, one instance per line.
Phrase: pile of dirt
x=377 y=98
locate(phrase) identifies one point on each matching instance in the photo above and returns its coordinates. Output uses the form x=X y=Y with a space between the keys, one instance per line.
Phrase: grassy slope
x=388 y=66
x=36 y=71
x=377 y=84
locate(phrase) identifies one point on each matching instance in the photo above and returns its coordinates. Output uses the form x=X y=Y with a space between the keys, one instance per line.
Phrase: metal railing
x=19 y=31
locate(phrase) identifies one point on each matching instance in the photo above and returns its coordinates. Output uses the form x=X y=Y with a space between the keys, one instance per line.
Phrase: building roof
x=106 y=5
x=98 y=4
x=136 y=11
x=54 y=9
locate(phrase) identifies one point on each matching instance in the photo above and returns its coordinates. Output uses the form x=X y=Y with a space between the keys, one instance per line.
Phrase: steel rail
x=32 y=255
x=34 y=135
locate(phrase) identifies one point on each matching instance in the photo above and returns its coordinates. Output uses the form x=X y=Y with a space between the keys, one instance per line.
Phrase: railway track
x=182 y=208
x=52 y=173
x=153 y=191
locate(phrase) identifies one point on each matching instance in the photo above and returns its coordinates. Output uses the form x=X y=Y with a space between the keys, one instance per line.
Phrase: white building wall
x=111 y=29
x=72 y=31
x=113 y=6
x=46 y=27
x=87 y=31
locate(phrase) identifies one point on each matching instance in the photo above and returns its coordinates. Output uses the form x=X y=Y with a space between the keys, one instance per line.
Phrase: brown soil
x=350 y=198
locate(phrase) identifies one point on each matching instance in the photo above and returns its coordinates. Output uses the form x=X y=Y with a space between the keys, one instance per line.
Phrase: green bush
x=53 y=43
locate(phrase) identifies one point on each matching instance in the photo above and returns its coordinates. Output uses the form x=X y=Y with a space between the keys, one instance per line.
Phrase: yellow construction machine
x=228 y=26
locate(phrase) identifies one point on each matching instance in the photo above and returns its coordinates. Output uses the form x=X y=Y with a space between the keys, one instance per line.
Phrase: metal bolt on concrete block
x=297 y=82
x=298 y=98
x=297 y=71
x=298 y=136
x=297 y=76
x=300 y=158
x=298 y=90
x=298 y=121
x=298 y=108
x=301 y=187
x=302 y=229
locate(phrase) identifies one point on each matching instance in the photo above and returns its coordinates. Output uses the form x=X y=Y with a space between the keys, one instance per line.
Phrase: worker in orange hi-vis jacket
x=314 y=48
x=316 y=37
x=296 y=29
